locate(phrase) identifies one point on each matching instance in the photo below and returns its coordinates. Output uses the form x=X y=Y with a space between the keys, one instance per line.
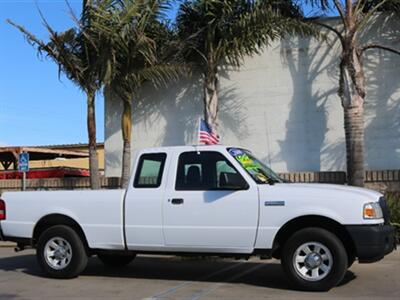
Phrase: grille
x=385 y=210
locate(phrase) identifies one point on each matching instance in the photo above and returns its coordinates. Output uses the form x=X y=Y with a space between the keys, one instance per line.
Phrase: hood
x=321 y=192
x=336 y=188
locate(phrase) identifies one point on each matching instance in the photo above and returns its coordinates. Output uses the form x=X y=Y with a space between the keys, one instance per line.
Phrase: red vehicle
x=45 y=173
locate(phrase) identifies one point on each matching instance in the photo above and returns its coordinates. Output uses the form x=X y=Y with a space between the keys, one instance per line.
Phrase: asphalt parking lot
x=168 y=277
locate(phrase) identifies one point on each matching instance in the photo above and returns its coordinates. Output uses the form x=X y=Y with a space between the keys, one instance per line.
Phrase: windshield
x=260 y=172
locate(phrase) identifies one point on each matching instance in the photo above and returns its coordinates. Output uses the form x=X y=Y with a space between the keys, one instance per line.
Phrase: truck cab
x=198 y=200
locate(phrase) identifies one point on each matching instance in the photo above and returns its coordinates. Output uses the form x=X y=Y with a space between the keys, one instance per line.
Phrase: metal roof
x=10 y=154
x=61 y=146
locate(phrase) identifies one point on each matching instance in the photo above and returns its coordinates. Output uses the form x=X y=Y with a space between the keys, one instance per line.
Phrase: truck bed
x=99 y=213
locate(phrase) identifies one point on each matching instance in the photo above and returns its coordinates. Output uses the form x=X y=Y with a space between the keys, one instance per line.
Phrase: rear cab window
x=150 y=170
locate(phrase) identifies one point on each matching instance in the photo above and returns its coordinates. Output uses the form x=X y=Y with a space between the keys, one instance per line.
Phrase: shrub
x=393 y=201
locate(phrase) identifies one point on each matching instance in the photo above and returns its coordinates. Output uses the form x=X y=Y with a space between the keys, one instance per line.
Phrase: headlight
x=372 y=211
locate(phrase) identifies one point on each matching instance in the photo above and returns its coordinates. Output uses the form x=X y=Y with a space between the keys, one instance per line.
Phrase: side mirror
x=232 y=181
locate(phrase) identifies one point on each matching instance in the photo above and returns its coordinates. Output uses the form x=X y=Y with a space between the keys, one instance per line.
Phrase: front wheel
x=314 y=259
x=61 y=252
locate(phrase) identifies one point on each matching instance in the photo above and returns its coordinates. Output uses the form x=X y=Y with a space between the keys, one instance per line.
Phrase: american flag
x=206 y=135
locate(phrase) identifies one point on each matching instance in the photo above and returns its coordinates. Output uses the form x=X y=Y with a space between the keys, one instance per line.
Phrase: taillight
x=2 y=210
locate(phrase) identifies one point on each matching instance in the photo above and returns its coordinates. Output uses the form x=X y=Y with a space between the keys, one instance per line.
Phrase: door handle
x=177 y=201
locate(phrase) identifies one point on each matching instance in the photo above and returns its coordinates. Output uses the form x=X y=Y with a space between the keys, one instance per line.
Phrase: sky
x=37 y=107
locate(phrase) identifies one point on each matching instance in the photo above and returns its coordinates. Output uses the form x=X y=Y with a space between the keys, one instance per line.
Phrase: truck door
x=208 y=205
x=143 y=203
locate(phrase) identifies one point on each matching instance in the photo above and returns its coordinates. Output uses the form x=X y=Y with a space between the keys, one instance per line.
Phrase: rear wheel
x=115 y=261
x=314 y=259
x=61 y=252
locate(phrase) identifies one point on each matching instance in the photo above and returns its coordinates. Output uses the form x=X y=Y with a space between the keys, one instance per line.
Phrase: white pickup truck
x=207 y=200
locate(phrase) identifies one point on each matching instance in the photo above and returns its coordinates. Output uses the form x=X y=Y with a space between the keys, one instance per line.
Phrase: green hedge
x=393 y=201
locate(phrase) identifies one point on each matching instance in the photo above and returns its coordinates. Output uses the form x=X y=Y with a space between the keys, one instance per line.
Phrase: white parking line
x=203 y=293
x=186 y=283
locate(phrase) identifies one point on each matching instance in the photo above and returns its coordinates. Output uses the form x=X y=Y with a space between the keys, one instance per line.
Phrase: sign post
x=23 y=166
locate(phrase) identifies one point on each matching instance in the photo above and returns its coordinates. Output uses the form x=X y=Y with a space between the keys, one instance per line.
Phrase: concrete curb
x=7 y=245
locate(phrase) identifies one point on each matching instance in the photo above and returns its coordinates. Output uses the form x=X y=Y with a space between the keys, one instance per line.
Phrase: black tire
x=323 y=280
x=78 y=255
x=115 y=260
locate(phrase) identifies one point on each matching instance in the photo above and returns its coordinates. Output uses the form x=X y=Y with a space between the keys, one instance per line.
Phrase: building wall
x=282 y=104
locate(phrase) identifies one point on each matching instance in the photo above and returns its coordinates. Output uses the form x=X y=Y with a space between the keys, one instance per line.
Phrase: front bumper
x=372 y=242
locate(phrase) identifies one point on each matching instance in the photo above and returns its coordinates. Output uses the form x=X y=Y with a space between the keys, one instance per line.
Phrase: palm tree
x=76 y=51
x=214 y=33
x=139 y=48
x=356 y=17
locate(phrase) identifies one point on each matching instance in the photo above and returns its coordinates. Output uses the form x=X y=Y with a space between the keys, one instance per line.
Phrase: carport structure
x=9 y=155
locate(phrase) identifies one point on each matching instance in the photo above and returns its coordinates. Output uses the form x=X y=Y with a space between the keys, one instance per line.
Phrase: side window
x=206 y=170
x=224 y=167
x=150 y=170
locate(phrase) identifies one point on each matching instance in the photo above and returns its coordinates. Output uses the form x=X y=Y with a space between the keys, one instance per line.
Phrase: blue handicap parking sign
x=23 y=162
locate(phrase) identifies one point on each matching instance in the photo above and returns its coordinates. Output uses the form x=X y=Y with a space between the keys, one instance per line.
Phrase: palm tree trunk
x=354 y=132
x=352 y=93
x=211 y=99
x=91 y=126
x=126 y=125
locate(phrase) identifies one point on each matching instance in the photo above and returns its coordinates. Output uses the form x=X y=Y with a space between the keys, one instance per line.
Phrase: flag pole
x=198 y=131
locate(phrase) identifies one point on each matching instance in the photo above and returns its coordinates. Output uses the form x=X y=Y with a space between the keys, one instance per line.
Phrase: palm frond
x=228 y=30
x=139 y=44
